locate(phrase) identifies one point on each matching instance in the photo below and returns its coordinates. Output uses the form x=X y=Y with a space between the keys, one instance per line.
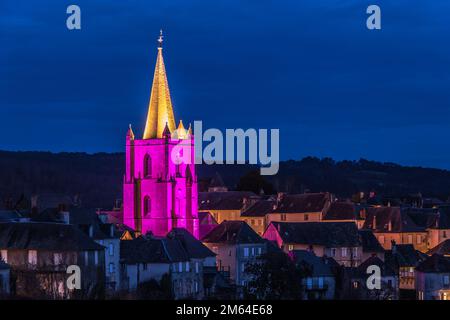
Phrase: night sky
x=310 y=68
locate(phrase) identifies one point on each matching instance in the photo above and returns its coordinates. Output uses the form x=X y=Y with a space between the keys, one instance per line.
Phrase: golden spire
x=181 y=132
x=160 y=109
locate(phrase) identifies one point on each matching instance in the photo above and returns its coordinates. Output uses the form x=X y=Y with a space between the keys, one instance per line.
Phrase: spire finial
x=160 y=39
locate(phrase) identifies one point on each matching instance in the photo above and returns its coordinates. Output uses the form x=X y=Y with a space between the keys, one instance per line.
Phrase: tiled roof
x=44 y=236
x=404 y=255
x=442 y=248
x=143 y=250
x=227 y=200
x=435 y=264
x=193 y=247
x=341 y=211
x=390 y=219
x=299 y=203
x=328 y=234
x=233 y=232
x=369 y=242
x=259 y=209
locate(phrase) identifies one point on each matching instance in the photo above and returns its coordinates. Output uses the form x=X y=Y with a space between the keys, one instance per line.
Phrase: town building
x=160 y=182
x=319 y=283
x=339 y=240
x=226 y=205
x=433 y=278
x=340 y=211
x=235 y=245
x=405 y=258
x=255 y=215
x=394 y=224
x=307 y=207
x=177 y=257
x=206 y=223
x=39 y=255
x=355 y=281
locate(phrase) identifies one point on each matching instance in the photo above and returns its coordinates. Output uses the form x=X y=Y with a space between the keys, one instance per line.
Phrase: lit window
x=111 y=249
x=355 y=284
x=309 y=283
x=355 y=252
x=344 y=252
x=86 y=258
x=96 y=257
x=333 y=252
x=320 y=282
x=259 y=251
x=197 y=267
x=57 y=259
x=187 y=266
x=446 y=280
x=246 y=251
x=253 y=251
x=291 y=247
x=32 y=257
x=180 y=267
x=419 y=239
x=4 y=255
x=410 y=238
x=111 y=267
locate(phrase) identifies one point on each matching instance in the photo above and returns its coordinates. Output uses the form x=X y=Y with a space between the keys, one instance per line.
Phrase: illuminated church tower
x=159 y=191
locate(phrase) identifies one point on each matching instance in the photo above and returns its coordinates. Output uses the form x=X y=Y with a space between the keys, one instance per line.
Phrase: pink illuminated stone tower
x=160 y=190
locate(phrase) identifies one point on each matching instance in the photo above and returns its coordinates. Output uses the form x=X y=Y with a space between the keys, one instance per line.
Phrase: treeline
x=97 y=178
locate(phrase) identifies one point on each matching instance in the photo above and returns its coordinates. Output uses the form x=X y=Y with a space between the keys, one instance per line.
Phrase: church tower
x=160 y=183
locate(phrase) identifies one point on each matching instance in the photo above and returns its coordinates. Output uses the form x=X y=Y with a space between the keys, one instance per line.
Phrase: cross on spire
x=160 y=39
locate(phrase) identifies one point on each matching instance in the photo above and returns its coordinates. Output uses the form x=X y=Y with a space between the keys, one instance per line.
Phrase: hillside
x=97 y=178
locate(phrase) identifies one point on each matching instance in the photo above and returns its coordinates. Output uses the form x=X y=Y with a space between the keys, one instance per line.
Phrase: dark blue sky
x=310 y=68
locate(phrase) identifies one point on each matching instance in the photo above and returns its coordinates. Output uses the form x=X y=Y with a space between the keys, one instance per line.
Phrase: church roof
x=160 y=109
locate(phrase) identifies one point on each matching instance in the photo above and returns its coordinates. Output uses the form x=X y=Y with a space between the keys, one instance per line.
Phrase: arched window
x=147 y=166
x=147 y=205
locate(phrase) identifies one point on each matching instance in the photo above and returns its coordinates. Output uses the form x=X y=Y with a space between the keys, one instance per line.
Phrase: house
x=443 y=249
x=235 y=245
x=340 y=211
x=88 y=221
x=355 y=281
x=394 y=224
x=404 y=258
x=339 y=240
x=5 y=271
x=370 y=245
x=319 y=283
x=433 y=278
x=226 y=205
x=206 y=223
x=39 y=255
x=176 y=256
x=307 y=207
x=255 y=215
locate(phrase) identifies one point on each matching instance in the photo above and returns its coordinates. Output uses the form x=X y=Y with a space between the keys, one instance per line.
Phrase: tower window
x=147 y=205
x=147 y=166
